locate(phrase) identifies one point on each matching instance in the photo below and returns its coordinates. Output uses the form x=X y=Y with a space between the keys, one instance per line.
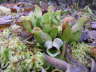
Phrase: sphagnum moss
x=80 y=51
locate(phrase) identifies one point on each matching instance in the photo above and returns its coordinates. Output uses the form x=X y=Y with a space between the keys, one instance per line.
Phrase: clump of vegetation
x=43 y=33
x=17 y=55
x=48 y=22
x=80 y=52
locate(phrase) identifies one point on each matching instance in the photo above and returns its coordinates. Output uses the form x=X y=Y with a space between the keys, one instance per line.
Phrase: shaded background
x=81 y=3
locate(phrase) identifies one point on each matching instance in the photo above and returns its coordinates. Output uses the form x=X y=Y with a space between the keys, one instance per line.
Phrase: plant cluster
x=80 y=52
x=15 y=54
x=49 y=31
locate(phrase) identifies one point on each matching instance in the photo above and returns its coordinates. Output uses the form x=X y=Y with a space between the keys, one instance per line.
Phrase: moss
x=80 y=51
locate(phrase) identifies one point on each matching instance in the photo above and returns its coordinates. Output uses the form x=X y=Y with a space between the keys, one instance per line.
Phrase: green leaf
x=80 y=22
x=27 y=25
x=47 y=18
x=47 y=28
x=41 y=36
x=5 y=55
x=69 y=36
x=37 y=11
x=53 y=33
x=88 y=10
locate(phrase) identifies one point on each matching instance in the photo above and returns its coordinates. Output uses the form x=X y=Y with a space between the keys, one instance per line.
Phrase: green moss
x=80 y=51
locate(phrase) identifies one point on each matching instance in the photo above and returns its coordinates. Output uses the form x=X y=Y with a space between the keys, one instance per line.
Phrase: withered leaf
x=4 y=23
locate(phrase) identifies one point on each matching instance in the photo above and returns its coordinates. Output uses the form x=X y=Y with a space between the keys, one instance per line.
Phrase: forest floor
x=47 y=38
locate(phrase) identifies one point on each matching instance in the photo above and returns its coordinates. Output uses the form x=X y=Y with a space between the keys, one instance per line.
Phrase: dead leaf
x=4 y=23
x=68 y=19
x=93 y=51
